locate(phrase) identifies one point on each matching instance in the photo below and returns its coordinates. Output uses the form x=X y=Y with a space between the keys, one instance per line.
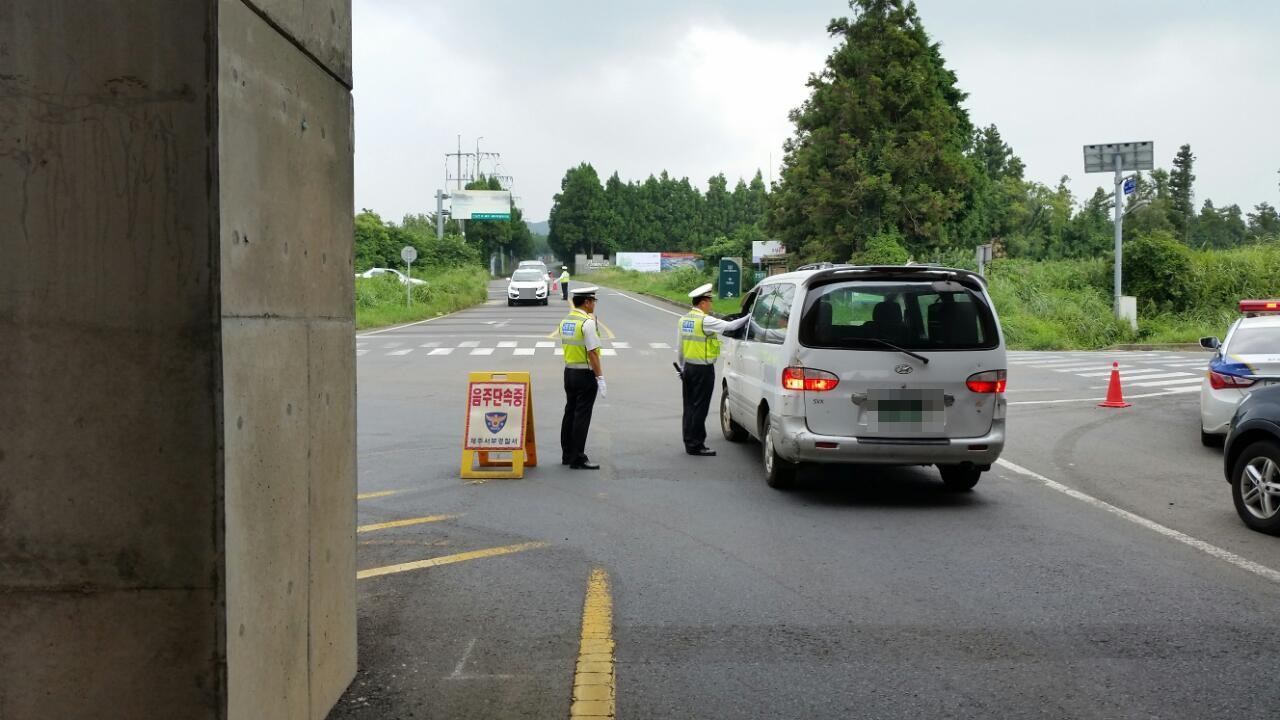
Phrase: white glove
x=600 y=385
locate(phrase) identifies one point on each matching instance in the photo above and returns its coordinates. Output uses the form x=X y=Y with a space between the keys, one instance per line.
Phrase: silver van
x=901 y=365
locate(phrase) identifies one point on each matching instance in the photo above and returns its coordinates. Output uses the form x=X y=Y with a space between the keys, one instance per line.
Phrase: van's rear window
x=911 y=315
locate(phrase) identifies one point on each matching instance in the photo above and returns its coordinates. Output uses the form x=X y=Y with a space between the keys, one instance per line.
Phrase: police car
x=1247 y=359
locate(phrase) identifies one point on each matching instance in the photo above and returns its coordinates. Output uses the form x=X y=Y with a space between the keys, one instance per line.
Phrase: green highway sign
x=730 y=280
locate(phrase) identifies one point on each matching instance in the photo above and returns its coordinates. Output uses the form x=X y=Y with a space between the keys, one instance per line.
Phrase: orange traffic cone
x=1115 y=399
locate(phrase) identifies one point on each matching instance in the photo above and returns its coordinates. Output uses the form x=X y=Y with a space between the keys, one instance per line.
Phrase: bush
x=381 y=300
x=1158 y=270
x=883 y=249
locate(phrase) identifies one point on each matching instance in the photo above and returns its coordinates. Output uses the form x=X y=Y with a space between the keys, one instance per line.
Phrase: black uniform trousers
x=697 y=382
x=564 y=290
x=580 y=389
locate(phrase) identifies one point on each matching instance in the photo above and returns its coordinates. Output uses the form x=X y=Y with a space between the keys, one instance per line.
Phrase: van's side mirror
x=1210 y=343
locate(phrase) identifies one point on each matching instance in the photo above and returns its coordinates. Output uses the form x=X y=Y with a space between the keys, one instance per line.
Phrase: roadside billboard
x=639 y=261
x=480 y=205
x=760 y=248
x=673 y=260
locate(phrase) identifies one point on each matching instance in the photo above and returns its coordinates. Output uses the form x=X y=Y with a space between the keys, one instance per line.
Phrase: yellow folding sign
x=499 y=421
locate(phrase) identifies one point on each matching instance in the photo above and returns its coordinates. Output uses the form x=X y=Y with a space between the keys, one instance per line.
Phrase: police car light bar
x=1260 y=306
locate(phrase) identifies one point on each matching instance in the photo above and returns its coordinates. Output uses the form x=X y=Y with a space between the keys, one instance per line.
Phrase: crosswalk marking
x=507 y=343
x=544 y=344
x=441 y=351
x=1167 y=383
x=406 y=351
x=430 y=344
x=524 y=351
x=468 y=343
x=608 y=351
x=390 y=345
x=660 y=346
x=482 y=351
x=622 y=345
x=559 y=351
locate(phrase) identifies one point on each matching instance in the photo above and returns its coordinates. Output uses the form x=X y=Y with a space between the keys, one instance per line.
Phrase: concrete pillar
x=177 y=403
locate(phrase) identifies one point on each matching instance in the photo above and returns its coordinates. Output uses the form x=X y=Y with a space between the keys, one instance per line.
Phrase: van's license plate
x=906 y=411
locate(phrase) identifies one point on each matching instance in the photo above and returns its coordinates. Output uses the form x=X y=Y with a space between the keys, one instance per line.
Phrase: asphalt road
x=1098 y=572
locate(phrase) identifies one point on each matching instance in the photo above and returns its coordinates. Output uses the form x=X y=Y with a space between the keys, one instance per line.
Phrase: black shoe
x=566 y=461
x=584 y=465
x=702 y=451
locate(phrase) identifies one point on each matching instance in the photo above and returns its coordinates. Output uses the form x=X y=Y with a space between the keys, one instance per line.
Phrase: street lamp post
x=1119 y=157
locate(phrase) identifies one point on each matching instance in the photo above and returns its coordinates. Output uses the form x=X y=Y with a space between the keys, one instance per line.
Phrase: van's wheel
x=733 y=432
x=510 y=302
x=959 y=477
x=778 y=473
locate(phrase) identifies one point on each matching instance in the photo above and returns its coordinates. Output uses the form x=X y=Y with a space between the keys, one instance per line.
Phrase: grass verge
x=673 y=286
x=381 y=301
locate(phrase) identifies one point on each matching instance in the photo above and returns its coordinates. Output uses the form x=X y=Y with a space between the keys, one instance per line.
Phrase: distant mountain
x=539 y=228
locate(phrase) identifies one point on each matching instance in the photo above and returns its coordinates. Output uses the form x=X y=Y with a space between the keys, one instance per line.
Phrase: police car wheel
x=733 y=432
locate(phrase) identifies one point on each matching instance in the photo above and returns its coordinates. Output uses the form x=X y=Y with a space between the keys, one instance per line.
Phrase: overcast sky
x=704 y=86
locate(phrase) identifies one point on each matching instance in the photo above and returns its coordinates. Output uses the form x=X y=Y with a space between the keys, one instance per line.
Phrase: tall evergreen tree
x=879 y=145
x=578 y=214
x=1181 y=193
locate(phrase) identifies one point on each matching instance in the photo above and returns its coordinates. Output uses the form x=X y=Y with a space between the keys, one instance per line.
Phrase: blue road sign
x=1130 y=184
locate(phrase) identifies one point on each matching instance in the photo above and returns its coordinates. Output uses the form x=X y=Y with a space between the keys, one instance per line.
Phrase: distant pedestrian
x=583 y=378
x=697 y=348
x=564 y=282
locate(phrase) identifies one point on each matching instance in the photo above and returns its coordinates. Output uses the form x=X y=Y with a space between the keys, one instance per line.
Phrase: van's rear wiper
x=904 y=351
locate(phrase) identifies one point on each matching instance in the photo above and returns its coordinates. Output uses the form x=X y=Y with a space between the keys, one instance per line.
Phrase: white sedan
x=1247 y=359
x=379 y=272
x=527 y=285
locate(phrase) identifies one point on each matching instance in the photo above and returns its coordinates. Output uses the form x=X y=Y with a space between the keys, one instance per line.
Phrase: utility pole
x=1117 y=158
x=440 y=198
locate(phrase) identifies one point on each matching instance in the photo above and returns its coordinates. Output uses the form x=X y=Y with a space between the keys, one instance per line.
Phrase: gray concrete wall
x=177 y=469
x=285 y=151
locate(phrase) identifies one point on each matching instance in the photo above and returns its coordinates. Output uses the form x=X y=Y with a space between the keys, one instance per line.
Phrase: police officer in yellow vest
x=583 y=378
x=696 y=352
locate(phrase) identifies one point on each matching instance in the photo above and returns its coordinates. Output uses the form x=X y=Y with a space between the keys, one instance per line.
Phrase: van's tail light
x=1222 y=381
x=991 y=381
x=802 y=378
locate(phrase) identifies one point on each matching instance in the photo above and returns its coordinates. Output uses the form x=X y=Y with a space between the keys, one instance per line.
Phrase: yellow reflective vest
x=698 y=347
x=573 y=340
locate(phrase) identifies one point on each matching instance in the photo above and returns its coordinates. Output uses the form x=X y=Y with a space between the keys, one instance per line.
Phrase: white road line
x=1079 y=368
x=1177 y=391
x=660 y=346
x=1124 y=372
x=1158 y=375
x=430 y=344
x=406 y=351
x=608 y=351
x=655 y=307
x=1212 y=550
x=622 y=345
x=482 y=351
x=507 y=343
x=523 y=351
x=468 y=343
x=441 y=351
x=545 y=343
x=1170 y=383
x=397 y=327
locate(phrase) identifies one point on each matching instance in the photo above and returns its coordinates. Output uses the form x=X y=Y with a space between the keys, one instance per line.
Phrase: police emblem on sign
x=495 y=421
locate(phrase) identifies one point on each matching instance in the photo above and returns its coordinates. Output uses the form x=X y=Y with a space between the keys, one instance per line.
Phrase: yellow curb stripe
x=384 y=493
x=594 y=680
x=404 y=523
x=605 y=333
x=448 y=559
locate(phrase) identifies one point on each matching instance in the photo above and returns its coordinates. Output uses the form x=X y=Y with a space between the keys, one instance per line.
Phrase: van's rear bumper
x=794 y=442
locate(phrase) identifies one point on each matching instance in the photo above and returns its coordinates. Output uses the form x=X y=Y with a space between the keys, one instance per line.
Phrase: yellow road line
x=605 y=332
x=594 y=690
x=448 y=559
x=384 y=493
x=403 y=523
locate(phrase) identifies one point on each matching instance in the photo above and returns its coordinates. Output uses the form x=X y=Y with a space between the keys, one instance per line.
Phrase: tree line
x=885 y=164
x=378 y=242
